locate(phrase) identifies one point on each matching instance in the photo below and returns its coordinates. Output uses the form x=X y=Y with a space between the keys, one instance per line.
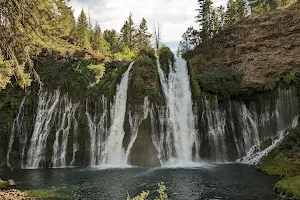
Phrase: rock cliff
x=259 y=47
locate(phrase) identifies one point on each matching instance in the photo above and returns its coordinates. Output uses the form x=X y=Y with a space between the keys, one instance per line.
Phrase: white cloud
x=174 y=16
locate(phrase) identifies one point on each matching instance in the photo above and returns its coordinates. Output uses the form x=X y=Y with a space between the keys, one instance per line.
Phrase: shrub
x=166 y=56
x=144 y=195
x=221 y=81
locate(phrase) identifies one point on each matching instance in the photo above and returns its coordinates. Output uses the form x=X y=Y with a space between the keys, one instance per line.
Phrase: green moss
x=289 y=187
x=49 y=194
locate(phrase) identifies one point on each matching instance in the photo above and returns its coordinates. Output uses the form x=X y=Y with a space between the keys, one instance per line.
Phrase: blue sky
x=174 y=16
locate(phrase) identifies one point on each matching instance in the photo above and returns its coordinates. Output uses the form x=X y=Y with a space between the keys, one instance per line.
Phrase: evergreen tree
x=112 y=38
x=98 y=43
x=26 y=27
x=157 y=37
x=190 y=39
x=143 y=36
x=128 y=32
x=204 y=18
x=82 y=30
x=236 y=11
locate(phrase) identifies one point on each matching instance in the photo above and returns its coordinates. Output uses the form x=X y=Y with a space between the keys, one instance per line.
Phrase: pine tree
x=128 y=32
x=112 y=38
x=236 y=11
x=98 y=43
x=143 y=36
x=82 y=30
x=204 y=18
x=26 y=27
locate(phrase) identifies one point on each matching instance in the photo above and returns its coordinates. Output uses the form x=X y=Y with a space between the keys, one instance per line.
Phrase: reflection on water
x=232 y=182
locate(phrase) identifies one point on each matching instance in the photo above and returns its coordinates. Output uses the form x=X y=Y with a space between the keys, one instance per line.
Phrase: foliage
x=289 y=187
x=166 y=57
x=111 y=78
x=128 y=32
x=76 y=74
x=82 y=30
x=126 y=55
x=98 y=43
x=144 y=195
x=271 y=83
x=26 y=27
x=6 y=71
x=99 y=71
x=236 y=11
x=145 y=78
x=223 y=81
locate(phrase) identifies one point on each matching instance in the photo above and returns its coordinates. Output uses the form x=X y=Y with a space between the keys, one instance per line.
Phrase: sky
x=174 y=16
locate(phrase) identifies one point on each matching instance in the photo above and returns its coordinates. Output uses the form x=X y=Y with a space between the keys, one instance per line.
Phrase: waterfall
x=65 y=117
x=54 y=114
x=286 y=113
x=18 y=130
x=216 y=121
x=44 y=120
x=181 y=135
x=98 y=131
x=135 y=122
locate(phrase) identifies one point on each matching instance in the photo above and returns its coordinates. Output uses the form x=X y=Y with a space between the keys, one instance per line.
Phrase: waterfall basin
x=226 y=181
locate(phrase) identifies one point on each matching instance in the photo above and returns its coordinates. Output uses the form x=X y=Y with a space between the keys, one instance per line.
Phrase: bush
x=289 y=187
x=221 y=81
x=165 y=56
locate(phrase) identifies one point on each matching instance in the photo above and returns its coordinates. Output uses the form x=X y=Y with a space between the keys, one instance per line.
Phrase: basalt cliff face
x=259 y=47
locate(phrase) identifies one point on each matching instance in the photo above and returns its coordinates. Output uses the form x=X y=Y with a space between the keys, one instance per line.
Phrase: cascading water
x=55 y=113
x=65 y=117
x=113 y=152
x=286 y=113
x=98 y=130
x=18 y=130
x=43 y=122
x=180 y=135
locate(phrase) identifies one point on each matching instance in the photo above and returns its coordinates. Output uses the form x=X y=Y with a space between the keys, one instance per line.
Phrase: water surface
x=229 y=181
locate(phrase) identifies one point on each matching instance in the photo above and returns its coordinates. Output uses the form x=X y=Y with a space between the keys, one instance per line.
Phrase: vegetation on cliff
x=285 y=161
x=33 y=30
x=261 y=48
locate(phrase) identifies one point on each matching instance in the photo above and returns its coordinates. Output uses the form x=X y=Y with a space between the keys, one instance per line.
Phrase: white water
x=286 y=114
x=43 y=122
x=17 y=131
x=65 y=118
x=181 y=135
x=113 y=152
x=98 y=130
